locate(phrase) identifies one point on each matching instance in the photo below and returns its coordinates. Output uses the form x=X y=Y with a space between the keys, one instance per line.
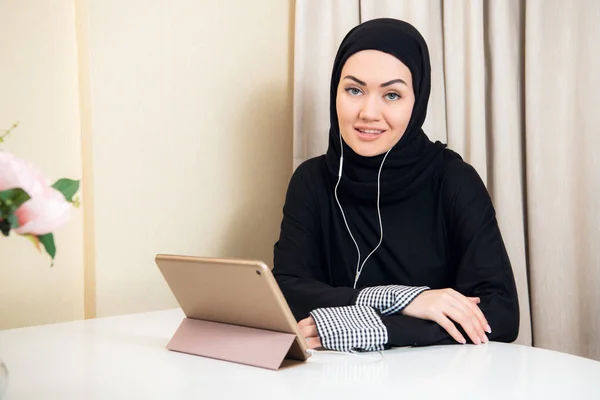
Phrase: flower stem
x=5 y=132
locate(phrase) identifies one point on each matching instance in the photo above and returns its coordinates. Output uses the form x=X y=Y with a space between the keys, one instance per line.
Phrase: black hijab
x=414 y=158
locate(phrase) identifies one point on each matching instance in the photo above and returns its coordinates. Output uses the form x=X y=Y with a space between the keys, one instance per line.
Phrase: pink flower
x=46 y=210
x=15 y=172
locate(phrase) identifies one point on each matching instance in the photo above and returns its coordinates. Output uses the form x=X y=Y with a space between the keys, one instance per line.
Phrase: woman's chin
x=368 y=151
x=369 y=148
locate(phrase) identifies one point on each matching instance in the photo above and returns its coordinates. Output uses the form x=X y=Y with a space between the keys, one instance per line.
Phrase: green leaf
x=47 y=241
x=13 y=221
x=14 y=197
x=17 y=195
x=67 y=187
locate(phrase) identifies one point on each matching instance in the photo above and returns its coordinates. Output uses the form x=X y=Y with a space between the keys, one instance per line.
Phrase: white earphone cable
x=360 y=267
x=358 y=272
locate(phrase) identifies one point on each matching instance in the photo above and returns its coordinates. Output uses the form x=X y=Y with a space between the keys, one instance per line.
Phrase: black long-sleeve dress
x=443 y=235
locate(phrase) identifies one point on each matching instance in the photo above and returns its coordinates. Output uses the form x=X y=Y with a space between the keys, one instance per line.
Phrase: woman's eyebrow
x=393 y=81
x=355 y=80
x=388 y=83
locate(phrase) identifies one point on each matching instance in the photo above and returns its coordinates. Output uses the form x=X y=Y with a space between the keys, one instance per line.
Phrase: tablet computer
x=232 y=293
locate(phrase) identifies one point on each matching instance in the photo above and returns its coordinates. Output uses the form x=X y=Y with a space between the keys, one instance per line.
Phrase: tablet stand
x=239 y=344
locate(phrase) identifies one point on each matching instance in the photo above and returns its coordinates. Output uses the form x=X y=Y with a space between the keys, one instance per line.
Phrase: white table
x=125 y=358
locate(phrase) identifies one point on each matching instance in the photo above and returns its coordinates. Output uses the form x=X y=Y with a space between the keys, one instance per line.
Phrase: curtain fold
x=504 y=138
x=320 y=26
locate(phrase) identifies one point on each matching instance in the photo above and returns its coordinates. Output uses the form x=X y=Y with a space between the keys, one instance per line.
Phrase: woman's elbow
x=507 y=326
x=508 y=334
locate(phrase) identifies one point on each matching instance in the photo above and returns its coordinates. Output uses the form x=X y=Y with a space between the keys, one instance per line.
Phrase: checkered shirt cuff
x=389 y=299
x=350 y=328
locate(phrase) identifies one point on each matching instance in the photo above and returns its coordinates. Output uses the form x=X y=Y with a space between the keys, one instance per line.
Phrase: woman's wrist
x=350 y=328
x=389 y=299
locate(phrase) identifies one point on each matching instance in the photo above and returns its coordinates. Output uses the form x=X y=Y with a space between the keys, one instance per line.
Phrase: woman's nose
x=370 y=110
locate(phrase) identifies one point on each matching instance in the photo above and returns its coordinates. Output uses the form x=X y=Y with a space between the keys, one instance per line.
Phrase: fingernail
x=488 y=329
x=463 y=341
x=478 y=342
x=485 y=339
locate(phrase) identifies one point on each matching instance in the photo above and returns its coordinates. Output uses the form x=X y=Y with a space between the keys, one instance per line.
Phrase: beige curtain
x=562 y=125
x=513 y=86
x=319 y=28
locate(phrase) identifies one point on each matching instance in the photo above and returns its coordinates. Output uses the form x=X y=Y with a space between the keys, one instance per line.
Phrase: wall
x=191 y=136
x=39 y=88
x=179 y=119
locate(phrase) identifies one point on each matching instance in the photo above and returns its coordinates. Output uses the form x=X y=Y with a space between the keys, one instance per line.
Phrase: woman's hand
x=442 y=305
x=308 y=328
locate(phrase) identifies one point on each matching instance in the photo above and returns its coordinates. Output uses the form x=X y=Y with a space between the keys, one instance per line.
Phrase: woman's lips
x=368 y=134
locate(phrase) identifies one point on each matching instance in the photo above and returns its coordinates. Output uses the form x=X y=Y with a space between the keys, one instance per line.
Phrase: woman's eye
x=353 y=91
x=392 y=96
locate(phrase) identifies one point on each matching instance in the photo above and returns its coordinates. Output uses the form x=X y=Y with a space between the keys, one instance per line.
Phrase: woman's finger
x=468 y=301
x=313 y=342
x=475 y=320
x=473 y=312
x=449 y=326
x=305 y=322
x=310 y=331
x=482 y=319
x=465 y=320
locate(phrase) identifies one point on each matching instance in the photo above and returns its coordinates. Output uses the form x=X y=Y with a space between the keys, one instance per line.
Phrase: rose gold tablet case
x=234 y=311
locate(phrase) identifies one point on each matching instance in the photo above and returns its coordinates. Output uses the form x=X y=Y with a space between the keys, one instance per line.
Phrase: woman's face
x=374 y=102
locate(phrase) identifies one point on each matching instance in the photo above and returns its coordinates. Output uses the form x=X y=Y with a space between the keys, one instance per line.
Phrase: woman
x=389 y=239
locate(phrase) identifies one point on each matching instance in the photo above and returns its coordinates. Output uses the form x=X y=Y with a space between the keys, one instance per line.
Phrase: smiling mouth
x=370 y=131
x=368 y=135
